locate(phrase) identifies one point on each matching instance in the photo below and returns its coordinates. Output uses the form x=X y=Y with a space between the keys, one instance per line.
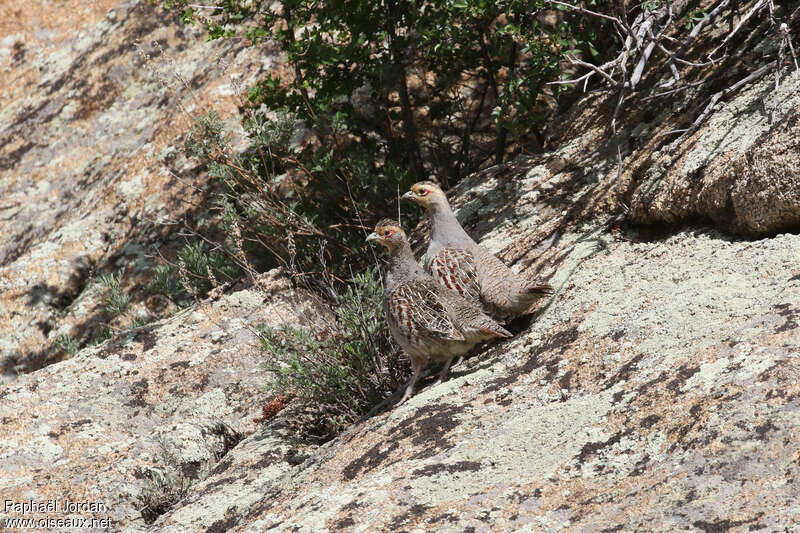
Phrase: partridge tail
x=495 y=330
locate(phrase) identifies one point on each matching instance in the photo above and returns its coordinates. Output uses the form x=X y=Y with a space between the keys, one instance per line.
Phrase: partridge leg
x=417 y=368
x=443 y=373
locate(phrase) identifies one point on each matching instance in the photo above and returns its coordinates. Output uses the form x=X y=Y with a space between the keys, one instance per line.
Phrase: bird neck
x=445 y=227
x=402 y=267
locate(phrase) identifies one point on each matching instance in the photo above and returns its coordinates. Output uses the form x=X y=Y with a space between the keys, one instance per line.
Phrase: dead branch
x=722 y=94
x=753 y=10
x=654 y=28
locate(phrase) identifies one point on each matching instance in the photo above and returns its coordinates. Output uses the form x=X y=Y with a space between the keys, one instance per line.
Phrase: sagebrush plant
x=164 y=281
x=164 y=487
x=205 y=268
x=338 y=369
x=102 y=333
x=200 y=267
x=116 y=302
x=304 y=206
x=169 y=484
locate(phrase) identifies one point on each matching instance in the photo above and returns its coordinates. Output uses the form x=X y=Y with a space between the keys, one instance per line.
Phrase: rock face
x=658 y=389
x=90 y=167
x=739 y=170
x=169 y=400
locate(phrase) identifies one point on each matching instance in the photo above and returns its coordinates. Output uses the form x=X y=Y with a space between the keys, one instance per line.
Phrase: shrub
x=431 y=86
x=67 y=344
x=379 y=95
x=341 y=369
x=198 y=270
x=204 y=269
x=115 y=301
x=305 y=207
x=169 y=483
x=164 y=282
x=164 y=487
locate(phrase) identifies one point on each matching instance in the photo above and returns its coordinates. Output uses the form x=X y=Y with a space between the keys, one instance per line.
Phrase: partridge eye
x=424 y=192
x=388 y=233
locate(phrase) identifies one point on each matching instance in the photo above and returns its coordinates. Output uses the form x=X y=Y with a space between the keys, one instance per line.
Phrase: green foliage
x=115 y=301
x=693 y=17
x=164 y=282
x=302 y=204
x=207 y=137
x=102 y=334
x=379 y=95
x=205 y=269
x=67 y=344
x=415 y=83
x=342 y=369
x=163 y=487
x=199 y=269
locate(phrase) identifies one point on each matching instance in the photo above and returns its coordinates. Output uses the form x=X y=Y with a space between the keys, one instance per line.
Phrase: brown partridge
x=429 y=321
x=456 y=261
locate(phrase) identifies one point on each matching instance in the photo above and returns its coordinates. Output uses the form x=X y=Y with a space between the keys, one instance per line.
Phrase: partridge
x=429 y=321
x=456 y=261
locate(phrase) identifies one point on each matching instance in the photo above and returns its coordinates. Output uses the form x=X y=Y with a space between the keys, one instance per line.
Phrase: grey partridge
x=456 y=261
x=428 y=320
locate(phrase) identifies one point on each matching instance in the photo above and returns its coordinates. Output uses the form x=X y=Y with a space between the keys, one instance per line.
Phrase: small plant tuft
x=170 y=483
x=340 y=370
x=67 y=344
x=164 y=488
x=163 y=282
x=204 y=268
x=102 y=334
x=115 y=301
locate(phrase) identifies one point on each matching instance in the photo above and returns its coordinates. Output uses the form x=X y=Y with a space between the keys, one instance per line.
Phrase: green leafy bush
x=304 y=206
x=198 y=270
x=436 y=87
x=341 y=369
x=378 y=95
x=204 y=268
x=67 y=344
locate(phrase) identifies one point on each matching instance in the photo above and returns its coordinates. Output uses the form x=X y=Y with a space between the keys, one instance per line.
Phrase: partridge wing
x=417 y=307
x=471 y=320
x=455 y=268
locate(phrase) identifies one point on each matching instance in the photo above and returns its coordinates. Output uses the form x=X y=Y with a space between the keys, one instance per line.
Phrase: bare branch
x=583 y=10
x=597 y=70
x=753 y=10
x=788 y=38
x=721 y=94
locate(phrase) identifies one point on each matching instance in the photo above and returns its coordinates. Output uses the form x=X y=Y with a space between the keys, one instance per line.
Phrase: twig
x=721 y=94
x=583 y=10
x=788 y=38
x=598 y=70
x=753 y=10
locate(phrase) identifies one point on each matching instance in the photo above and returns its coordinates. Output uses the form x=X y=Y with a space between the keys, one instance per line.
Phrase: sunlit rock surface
x=657 y=389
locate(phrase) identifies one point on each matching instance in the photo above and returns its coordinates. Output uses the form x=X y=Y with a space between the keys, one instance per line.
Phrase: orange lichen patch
x=273 y=407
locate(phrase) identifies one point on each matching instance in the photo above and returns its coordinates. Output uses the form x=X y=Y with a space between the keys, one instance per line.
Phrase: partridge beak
x=372 y=237
x=408 y=196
